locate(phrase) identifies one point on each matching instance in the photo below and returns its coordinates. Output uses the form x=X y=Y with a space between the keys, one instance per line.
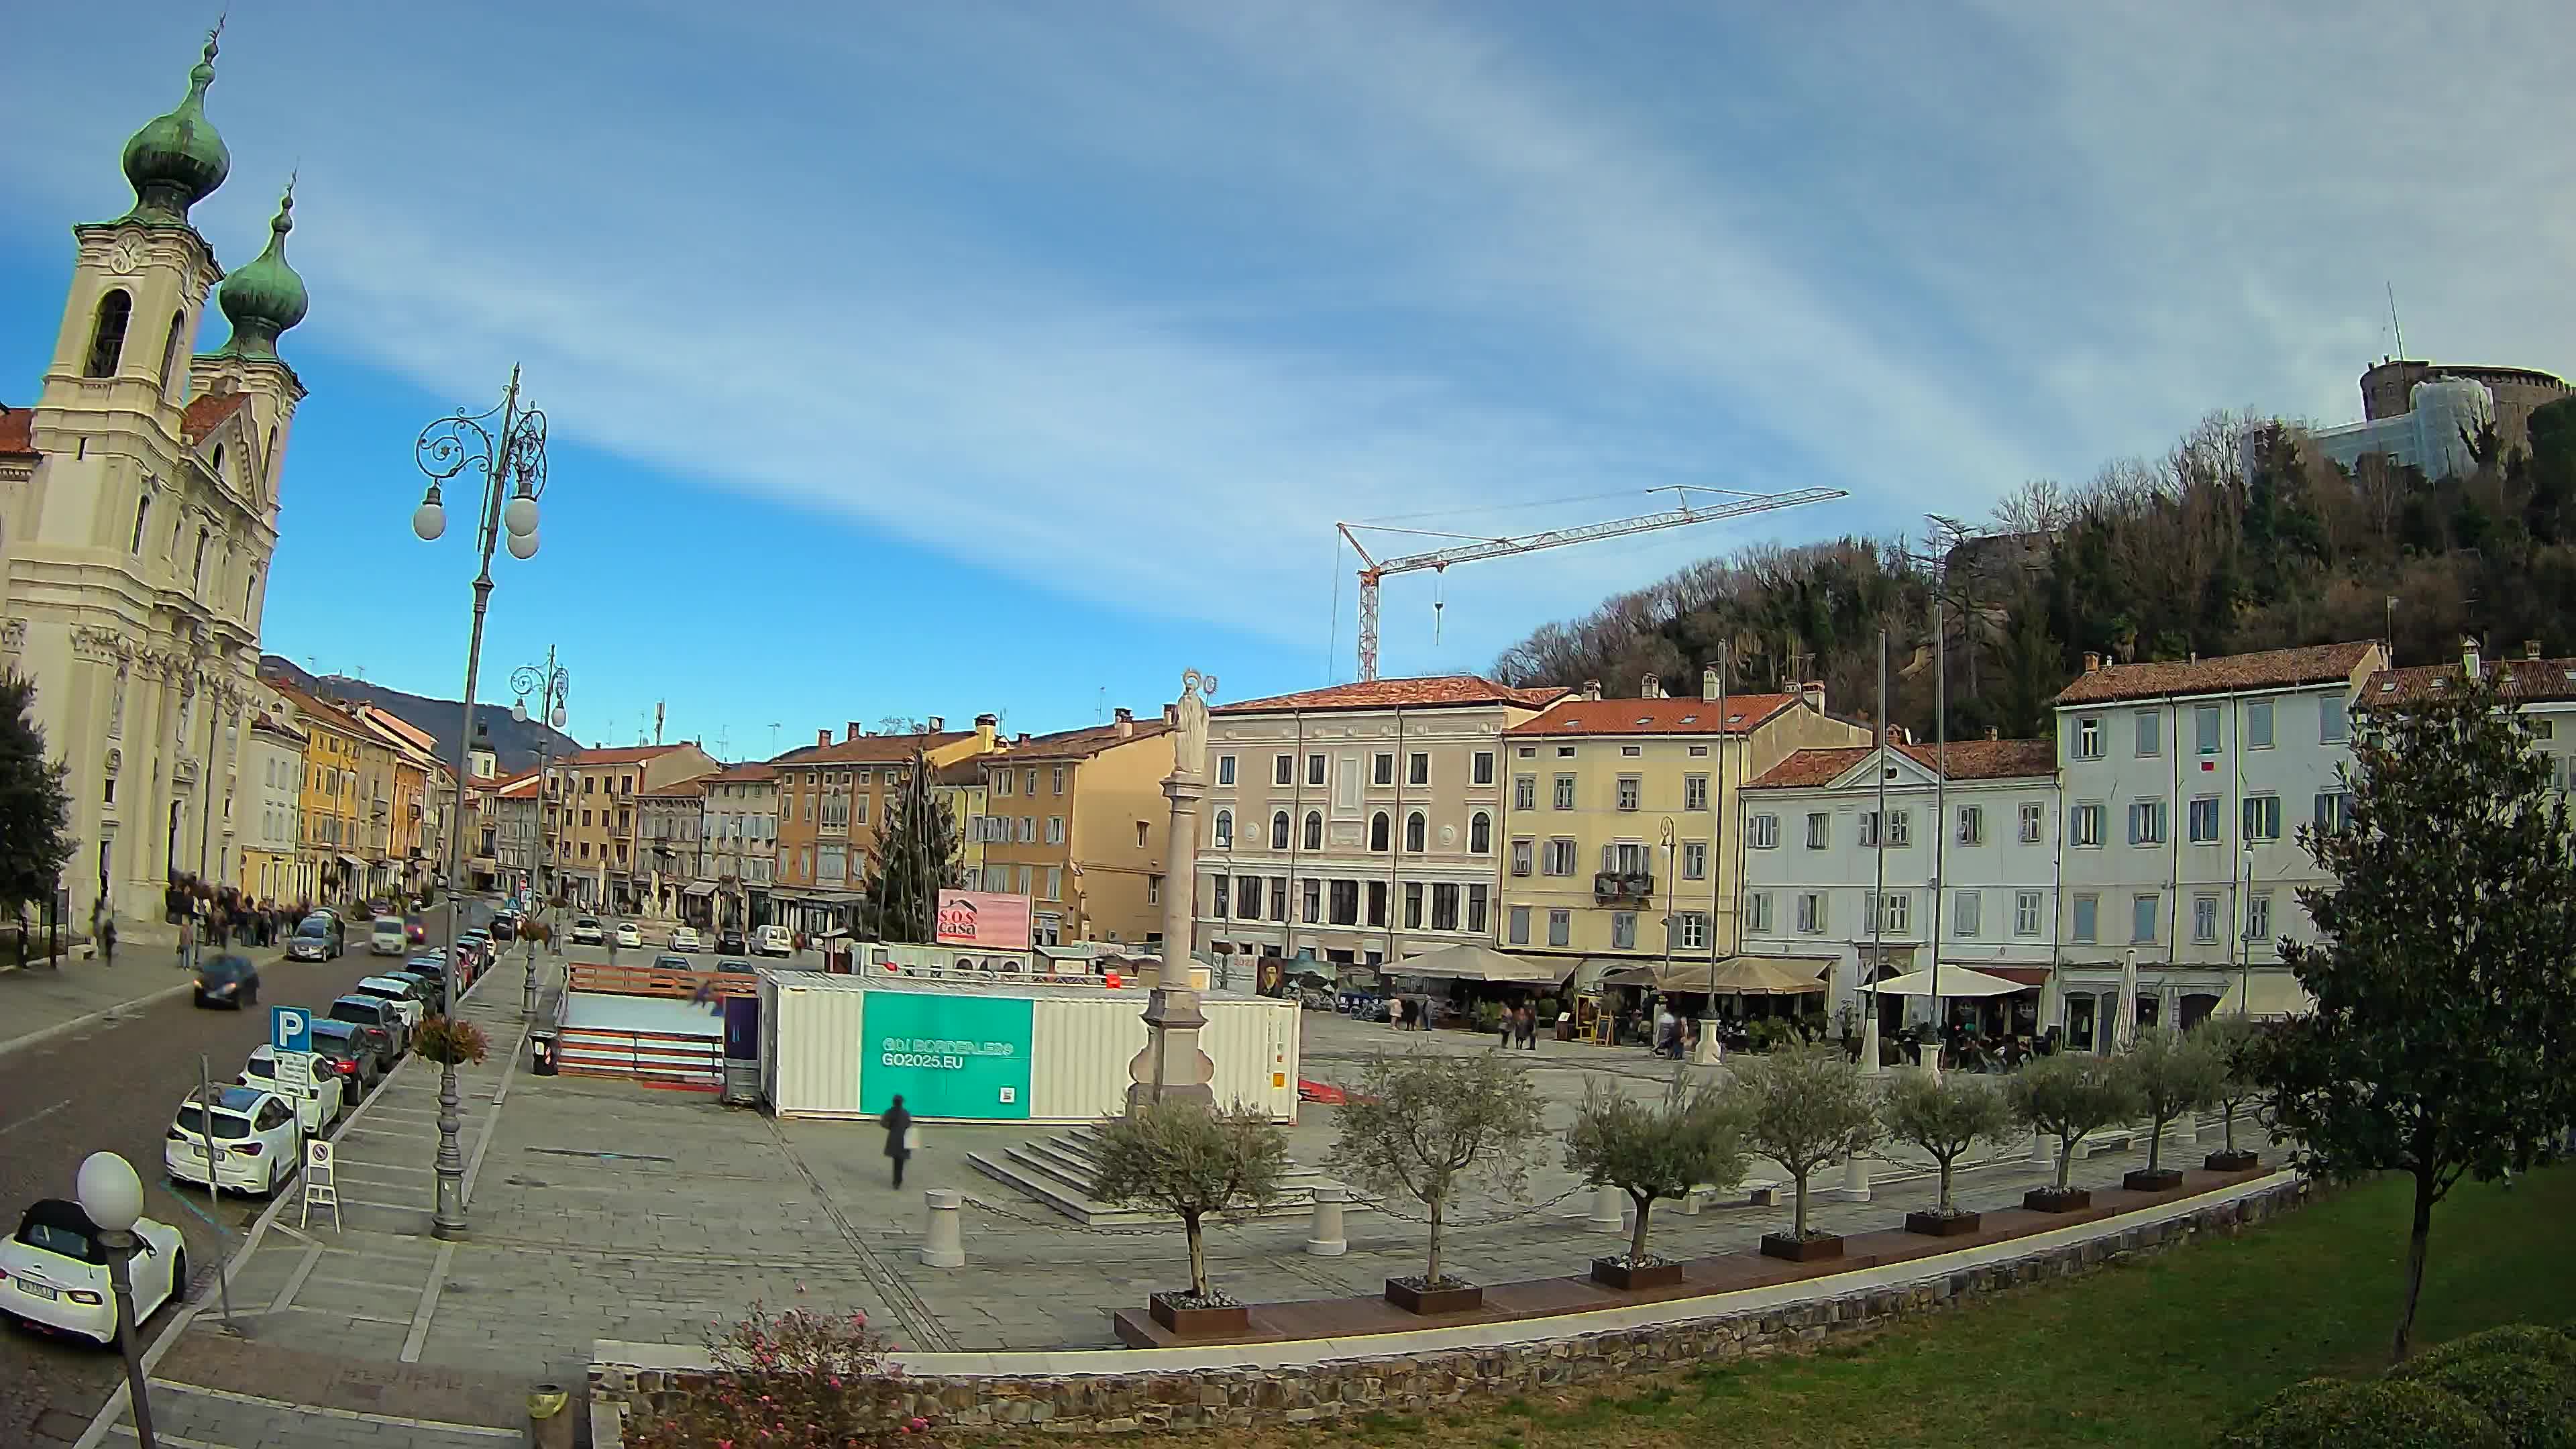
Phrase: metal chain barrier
x=1514 y=1216
x=1376 y=1205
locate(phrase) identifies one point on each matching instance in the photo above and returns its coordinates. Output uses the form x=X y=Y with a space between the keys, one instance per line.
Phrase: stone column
x=1171 y=1067
x=943 y=1244
x=1324 y=1238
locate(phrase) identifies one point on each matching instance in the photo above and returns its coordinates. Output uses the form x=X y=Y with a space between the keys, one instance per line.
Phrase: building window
x=2150 y=734
x=2025 y=913
x=2146 y=822
x=1757 y=911
x=1525 y=792
x=1565 y=752
x=1416 y=829
x=2204 y=729
x=1377 y=903
x=1413 y=905
x=1811 y=913
x=1694 y=860
x=2088 y=738
x=1002 y=782
x=1225 y=769
x=1900 y=828
x=1967 y=914
x=1313 y=904
x=2088 y=826
x=2262 y=817
x=2258 y=916
x=2204 y=820
x=1055 y=883
x=2142 y=919
x=1314 y=830
x=1762 y=832
x=2334 y=811
x=1522 y=853
x=2204 y=919
x=1476 y=898
x=1225 y=830
x=1896 y=912
x=1631 y=790
x=1694 y=792
x=1820 y=830
x=1417 y=769
x=107 y=333
x=1379 y=830
x=1283 y=771
x=1481 y=768
x=1516 y=926
x=2087 y=924
x=1279 y=898
x=1480 y=833
x=2258 y=725
x=2334 y=726
x=1559 y=859
x=1346 y=903
x=1623 y=930
x=1560 y=927
x=1278 y=830
x=1221 y=897
x=142 y=512
x=1315 y=770
x=1565 y=792
x=1382 y=768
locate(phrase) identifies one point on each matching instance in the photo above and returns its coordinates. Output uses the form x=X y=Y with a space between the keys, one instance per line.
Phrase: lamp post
x=511 y=457
x=112 y=1196
x=551 y=684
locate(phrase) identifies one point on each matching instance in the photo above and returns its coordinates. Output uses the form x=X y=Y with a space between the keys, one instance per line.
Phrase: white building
x=2185 y=783
x=2431 y=435
x=2544 y=690
x=517 y=841
x=270 y=821
x=1969 y=862
x=740 y=861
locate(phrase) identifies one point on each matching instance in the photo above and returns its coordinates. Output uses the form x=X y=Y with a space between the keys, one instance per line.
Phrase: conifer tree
x=915 y=858
x=35 y=809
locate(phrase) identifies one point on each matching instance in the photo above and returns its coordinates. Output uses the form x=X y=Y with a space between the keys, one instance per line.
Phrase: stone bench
x=1756 y=1192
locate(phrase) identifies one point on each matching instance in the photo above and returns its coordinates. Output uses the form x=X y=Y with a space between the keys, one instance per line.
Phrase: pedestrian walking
x=898 y=1127
x=107 y=940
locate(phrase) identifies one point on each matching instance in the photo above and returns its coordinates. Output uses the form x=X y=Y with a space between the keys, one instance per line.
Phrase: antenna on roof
x=2393 y=325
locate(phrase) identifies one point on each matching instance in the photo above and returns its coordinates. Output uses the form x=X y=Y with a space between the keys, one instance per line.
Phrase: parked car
x=628 y=934
x=505 y=928
x=430 y=977
x=246 y=1138
x=775 y=941
x=742 y=966
x=318 y=1104
x=53 y=1271
x=405 y=996
x=227 y=980
x=585 y=931
x=318 y=938
x=360 y=1054
x=730 y=942
x=376 y=1012
x=668 y=962
x=685 y=938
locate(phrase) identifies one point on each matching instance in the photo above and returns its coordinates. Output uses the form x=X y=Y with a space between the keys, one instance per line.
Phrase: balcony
x=1623 y=885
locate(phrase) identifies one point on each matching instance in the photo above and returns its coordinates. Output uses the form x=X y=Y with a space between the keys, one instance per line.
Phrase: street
x=115 y=1085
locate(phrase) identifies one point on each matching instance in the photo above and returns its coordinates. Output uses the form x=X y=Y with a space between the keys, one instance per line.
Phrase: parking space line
x=428 y=1308
x=394 y=1207
x=340 y=1313
x=176 y=1441
x=379 y=1286
x=326 y=1411
x=295 y=1281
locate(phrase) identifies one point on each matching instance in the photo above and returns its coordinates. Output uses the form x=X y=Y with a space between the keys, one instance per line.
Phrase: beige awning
x=1470 y=962
x=2276 y=994
x=1734 y=976
x=1955 y=981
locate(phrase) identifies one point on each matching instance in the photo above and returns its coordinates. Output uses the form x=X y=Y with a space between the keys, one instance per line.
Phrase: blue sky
x=932 y=359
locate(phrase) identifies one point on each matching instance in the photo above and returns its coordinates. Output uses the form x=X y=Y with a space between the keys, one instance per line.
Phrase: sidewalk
x=43 y=1002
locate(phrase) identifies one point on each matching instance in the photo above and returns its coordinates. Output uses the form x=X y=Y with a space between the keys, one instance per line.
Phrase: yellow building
x=1620 y=824
x=833 y=800
x=412 y=851
x=333 y=825
x=590 y=811
x=1083 y=830
x=962 y=789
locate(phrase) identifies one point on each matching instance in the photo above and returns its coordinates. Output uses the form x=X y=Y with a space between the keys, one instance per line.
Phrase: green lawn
x=2162 y=1352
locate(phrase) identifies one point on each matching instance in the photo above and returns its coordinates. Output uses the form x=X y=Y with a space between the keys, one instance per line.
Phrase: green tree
x=1945 y=1116
x=2232 y=1040
x=1428 y=1125
x=1192 y=1163
x=35 y=809
x=2445 y=1006
x=1688 y=1139
x=1804 y=1107
x=2068 y=1095
x=915 y=858
x=2170 y=1073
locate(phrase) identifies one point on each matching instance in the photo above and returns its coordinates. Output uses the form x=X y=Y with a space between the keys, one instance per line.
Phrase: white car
x=400 y=993
x=585 y=931
x=322 y=1099
x=256 y=1141
x=774 y=941
x=685 y=938
x=628 y=935
x=53 y=1271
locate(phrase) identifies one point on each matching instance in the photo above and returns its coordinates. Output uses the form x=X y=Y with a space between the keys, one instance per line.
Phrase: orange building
x=833 y=798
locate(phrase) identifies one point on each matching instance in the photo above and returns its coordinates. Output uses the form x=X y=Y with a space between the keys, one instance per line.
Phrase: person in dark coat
x=898 y=1148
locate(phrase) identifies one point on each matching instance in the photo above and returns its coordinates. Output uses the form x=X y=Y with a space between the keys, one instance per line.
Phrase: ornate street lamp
x=551 y=684
x=112 y=1196
x=511 y=457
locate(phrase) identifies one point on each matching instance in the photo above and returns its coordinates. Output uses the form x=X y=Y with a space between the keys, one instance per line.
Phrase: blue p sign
x=290 y=1029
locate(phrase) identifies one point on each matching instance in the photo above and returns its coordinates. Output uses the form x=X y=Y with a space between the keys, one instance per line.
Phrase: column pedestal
x=1324 y=1235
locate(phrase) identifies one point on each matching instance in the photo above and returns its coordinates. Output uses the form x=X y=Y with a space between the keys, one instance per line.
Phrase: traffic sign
x=290 y=1029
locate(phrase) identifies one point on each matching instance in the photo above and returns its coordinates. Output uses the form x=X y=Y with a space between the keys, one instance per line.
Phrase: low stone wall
x=1412 y=1382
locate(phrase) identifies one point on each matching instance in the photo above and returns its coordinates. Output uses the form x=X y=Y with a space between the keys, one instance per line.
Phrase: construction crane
x=1374 y=570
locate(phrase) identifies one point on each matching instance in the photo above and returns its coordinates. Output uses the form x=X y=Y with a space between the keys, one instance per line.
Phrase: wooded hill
x=2217 y=547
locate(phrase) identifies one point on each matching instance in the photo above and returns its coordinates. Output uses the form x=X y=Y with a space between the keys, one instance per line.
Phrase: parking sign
x=290 y=1029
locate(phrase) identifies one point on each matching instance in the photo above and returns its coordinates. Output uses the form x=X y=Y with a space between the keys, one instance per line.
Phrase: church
x=138 y=514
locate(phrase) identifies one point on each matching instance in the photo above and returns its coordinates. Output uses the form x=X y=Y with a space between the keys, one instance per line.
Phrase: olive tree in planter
x=1945 y=1116
x=2068 y=1095
x=1691 y=1139
x=2171 y=1073
x=1194 y=1164
x=2232 y=1039
x=1428 y=1126
x=1804 y=1107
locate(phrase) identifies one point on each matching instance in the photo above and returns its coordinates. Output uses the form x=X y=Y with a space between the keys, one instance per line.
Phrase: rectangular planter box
x=1198 y=1322
x=1933 y=1225
x=2050 y=1200
x=2232 y=1161
x=2163 y=1179
x=1464 y=1298
x=1615 y=1273
x=1801 y=1250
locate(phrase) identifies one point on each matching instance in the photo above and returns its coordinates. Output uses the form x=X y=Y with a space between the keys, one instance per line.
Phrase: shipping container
x=844 y=1046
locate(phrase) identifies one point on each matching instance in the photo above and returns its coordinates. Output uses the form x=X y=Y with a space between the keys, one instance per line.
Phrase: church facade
x=138 y=515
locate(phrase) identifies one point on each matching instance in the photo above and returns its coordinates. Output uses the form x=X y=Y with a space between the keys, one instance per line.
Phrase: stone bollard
x=943 y=1244
x=1609 y=1210
x=1706 y=1052
x=549 y=1417
x=1324 y=1238
x=2041 y=1154
x=1931 y=1060
x=2185 y=1134
x=1855 y=1186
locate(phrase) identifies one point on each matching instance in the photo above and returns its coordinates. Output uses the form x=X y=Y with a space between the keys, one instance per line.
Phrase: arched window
x=1378 y=831
x=1225 y=830
x=170 y=359
x=1314 y=830
x=142 y=513
x=1279 y=830
x=1414 y=829
x=107 y=334
x=1480 y=833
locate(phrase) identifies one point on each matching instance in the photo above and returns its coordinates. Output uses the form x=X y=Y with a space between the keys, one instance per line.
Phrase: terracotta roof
x=1692 y=716
x=965 y=772
x=872 y=749
x=206 y=412
x=1969 y=760
x=2228 y=673
x=1432 y=691
x=2531 y=679
x=736 y=774
x=515 y=787
x=1079 y=744
x=266 y=721
x=620 y=755
x=321 y=710
x=696 y=785
x=17 y=431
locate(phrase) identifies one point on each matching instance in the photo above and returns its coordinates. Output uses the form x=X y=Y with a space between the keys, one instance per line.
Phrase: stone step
x=1060 y=1175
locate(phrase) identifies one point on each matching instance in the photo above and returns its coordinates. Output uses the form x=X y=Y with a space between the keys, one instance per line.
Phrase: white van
x=389 y=937
x=774 y=941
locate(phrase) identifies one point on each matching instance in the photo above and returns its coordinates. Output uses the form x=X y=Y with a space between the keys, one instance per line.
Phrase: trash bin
x=543 y=1043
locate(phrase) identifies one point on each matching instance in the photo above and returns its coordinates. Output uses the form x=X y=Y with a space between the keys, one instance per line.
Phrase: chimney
x=1651 y=687
x=822 y=737
x=2469 y=655
x=2092 y=662
x=852 y=728
x=935 y=725
x=1814 y=693
x=988 y=728
x=1023 y=739
x=1708 y=686
x=1993 y=733
x=1592 y=689
x=2530 y=648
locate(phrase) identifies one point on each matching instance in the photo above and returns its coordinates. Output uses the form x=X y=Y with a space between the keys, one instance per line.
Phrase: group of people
x=216 y=916
x=1520 y=1027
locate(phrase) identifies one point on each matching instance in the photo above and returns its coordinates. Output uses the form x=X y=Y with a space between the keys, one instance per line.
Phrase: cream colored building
x=271 y=813
x=1084 y=825
x=1361 y=823
x=590 y=799
x=138 y=514
x=740 y=831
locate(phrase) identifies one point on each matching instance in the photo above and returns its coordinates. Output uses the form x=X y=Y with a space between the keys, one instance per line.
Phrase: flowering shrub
x=793 y=1380
x=445 y=1039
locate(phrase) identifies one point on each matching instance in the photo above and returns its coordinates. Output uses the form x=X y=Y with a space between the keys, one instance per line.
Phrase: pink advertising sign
x=982 y=918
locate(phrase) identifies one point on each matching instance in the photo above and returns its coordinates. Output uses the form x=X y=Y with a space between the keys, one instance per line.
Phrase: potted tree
x=1689 y=1139
x=2232 y=1040
x=2067 y=1095
x=1803 y=1108
x=1192 y=1163
x=1428 y=1126
x=1945 y=1116
x=2170 y=1073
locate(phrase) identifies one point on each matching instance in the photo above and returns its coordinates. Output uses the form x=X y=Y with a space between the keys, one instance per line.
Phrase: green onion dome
x=264 y=298
x=177 y=160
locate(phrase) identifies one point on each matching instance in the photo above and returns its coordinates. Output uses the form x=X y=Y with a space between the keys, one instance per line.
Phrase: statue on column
x=1190 y=731
x=1172 y=1067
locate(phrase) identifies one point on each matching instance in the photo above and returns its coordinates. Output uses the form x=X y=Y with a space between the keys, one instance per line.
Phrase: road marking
x=342 y=1313
x=177 y=1441
x=35 y=1117
x=428 y=1308
x=285 y=1298
x=285 y=1406
x=108 y=1016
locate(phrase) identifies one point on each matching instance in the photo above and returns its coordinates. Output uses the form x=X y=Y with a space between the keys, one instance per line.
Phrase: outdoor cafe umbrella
x=2124 y=1030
